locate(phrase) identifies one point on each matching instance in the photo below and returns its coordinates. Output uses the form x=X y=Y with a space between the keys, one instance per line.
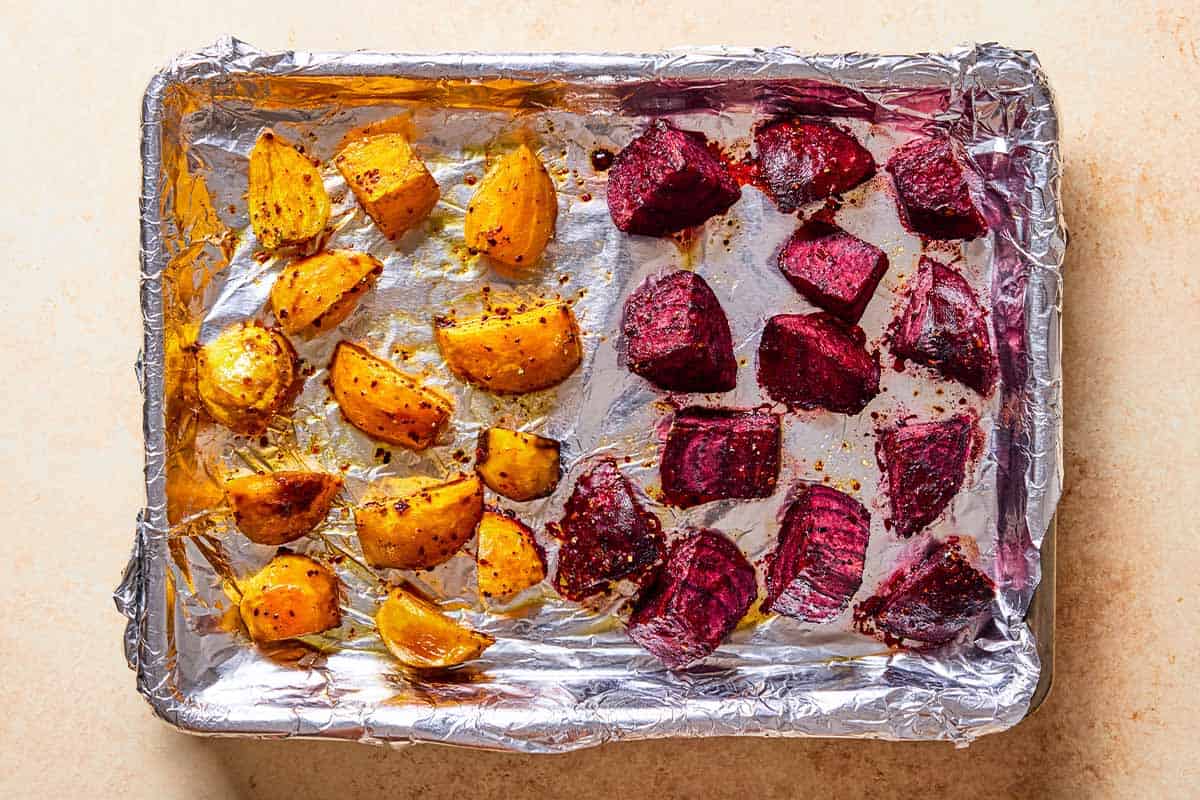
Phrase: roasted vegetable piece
x=320 y=291
x=816 y=361
x=519 y=466
x=666 y=180
x=705 y=587
x=932 y=193
x=944 y=327
x=931 y=601
x=606 y=535
x=512 y=351
x=508 y=559
x=417 y=522
x=717 y=453
x=291 y=596
x=391 y=183
x=817 y=564
x=923 y=465
x=677 y=335
x=245 y=376
x=287 y=199
x=833 y=269
x=511 y=217
x=800 y=162
x=419 y=635
x=280 y=507
x=385 y=403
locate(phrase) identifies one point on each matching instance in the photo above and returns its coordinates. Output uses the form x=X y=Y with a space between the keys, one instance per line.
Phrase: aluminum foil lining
x=561 y=677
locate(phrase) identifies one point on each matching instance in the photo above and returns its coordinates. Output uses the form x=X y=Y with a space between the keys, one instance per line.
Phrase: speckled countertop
x=1122 y=718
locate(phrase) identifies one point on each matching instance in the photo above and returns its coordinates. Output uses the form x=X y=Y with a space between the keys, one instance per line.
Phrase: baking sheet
x=560 y=676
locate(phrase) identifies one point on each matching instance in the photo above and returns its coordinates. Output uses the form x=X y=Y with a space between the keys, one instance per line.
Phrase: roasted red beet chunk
x=931 y=601
x=703 y=590
x=678 y=336
x=799 y=162
x=923 y=465
x=945 y=327
x=833 y=269
x=932 y=191
x=718 y=453
x=816 y=361
x=666 y=180
x=606 y=535
x=817 y=565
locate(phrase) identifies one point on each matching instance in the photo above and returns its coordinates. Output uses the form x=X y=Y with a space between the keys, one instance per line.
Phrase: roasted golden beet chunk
x=930 y=601
x=944 y=327
x=286 y=197
x=421 y=636
x=280 y=507
x=816 y=361
x=245 y=376
x=718 y=453
x=606 y=535
x=703 y=590
x=417 y=522
x=932 y=192
x=514 y=210
x=817 y=564
x=392 y=185
x=833 y=269
x=923 y=465
x=508 y=558
x=511 y=351
x=677 y=335
x=800 y=161
x=666 y=180
x=291 y=596
x=317 y=293
x=519 y=466
x=385 y=403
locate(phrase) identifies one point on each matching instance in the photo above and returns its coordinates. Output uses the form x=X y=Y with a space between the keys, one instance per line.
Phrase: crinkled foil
x=561 y=677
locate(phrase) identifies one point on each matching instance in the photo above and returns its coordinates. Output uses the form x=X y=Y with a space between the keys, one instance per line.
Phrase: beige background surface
x=1121 y=721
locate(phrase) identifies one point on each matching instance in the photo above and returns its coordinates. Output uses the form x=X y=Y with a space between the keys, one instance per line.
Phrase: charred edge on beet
x=945 y=327
x=929 y=602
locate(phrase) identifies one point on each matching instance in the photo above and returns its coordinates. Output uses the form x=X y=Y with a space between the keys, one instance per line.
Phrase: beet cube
x=931 y=601
x=833 y=269
x=932 y=193
x=945 y=327
x=816 y=361
x=799 y=162
x=717 y=453
x=666 y=180
x=678 y=336
x=923 y=466
x=703 y=590
x=817 y=565
x=606 y=535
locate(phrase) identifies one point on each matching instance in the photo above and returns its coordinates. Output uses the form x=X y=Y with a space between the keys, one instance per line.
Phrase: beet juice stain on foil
x=564 y=675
